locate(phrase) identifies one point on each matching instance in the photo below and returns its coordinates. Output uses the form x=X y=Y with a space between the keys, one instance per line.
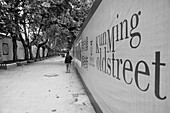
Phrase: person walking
x=68 y=60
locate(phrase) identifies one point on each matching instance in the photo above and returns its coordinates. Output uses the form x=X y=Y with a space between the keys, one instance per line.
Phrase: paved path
x=42 y=87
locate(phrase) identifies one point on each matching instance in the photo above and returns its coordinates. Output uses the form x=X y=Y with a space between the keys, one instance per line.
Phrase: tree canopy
x=52 y=24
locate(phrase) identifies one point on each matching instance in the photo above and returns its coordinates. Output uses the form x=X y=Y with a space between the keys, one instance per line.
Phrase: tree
x=9 y=22
x=42 y=22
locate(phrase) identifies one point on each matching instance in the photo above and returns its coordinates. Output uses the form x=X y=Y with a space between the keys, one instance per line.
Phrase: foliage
x=45 y=23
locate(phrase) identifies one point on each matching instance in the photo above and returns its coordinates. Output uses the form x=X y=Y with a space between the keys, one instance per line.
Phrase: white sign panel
x=0 y=52
x=125 y=56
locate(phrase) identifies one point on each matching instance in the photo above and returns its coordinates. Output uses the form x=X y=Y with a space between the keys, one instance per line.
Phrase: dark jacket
x=68 y=58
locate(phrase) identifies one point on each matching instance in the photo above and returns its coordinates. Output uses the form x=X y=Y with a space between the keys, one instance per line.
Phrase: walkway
x=42 y=87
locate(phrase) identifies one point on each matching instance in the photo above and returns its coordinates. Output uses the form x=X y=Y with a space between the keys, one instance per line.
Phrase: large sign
x=125 y=56
x=5 y=48
x=0 y=55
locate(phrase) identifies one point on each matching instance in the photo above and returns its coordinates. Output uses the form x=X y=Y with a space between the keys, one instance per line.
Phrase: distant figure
x=68 y=59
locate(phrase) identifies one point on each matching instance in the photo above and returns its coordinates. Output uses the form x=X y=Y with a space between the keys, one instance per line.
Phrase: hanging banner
x=125 y=56
x=5 y=48
x=0 y=53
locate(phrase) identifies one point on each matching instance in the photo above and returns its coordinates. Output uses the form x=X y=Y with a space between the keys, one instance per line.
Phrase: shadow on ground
x=51 y=63
x=51 y=75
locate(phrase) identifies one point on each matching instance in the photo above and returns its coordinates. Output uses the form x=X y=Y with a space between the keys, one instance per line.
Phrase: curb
x=8 y=66
x=19 y=63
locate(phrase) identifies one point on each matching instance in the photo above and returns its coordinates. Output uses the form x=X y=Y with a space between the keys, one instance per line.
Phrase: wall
x=6 y=49
x=1 y=60
x=34 y=51
x=123 y=56
x=20 y=50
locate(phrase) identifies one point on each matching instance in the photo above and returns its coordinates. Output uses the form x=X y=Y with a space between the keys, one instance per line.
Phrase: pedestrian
x=68 y=59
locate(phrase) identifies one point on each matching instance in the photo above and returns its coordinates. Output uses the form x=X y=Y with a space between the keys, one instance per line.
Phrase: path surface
x=42 y=87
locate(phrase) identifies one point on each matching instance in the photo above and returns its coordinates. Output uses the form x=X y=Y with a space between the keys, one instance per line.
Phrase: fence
x=6 y=50
x=122 y=54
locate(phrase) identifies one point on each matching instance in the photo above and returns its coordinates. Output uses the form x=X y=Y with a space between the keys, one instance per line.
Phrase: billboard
x=0 y=54
x=125 y=56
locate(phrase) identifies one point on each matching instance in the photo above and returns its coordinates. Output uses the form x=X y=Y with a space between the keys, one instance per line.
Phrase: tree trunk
x=25 y=47
x=30 y=50
x=38 y=52
x=43 y=54
x=48 y=52
x=26 y=52
x=14 y=41
x=38 y=48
